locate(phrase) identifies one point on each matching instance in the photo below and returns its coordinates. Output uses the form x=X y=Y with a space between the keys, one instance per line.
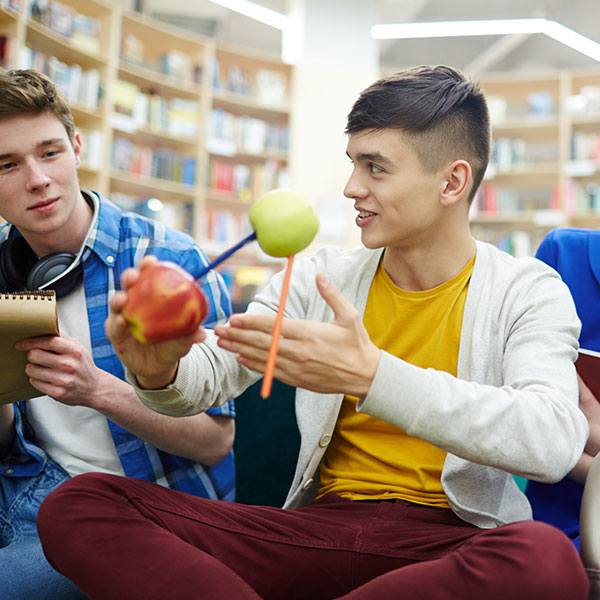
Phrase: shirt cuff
x=169 y=400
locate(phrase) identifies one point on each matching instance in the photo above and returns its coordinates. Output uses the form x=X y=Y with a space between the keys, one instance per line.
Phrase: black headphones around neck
x=20 y=269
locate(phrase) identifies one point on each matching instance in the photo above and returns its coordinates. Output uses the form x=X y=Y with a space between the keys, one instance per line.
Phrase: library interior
x=189 y=112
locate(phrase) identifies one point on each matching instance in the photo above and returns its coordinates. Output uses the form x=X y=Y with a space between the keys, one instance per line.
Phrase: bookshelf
x=174 y=126
x=545 y=167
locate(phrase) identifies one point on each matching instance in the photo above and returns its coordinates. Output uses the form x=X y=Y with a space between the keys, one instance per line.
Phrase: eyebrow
x=371 y=157
x=41 y=144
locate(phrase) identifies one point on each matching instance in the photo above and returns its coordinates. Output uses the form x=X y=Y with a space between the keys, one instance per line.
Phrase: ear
x=457 y=182
x=77 y=149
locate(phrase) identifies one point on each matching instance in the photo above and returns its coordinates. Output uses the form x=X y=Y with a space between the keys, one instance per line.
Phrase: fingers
x=115 y=325
x=53 y=352
x=290 y=328
x=148 y=261
x=240 y=322
x=129 y=277
x=116 y=328
x=239 y=339
x=341 y=307
x=46 y=342
x=117 y=302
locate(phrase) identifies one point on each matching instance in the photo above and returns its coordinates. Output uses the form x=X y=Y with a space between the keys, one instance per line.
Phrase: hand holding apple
x=164 y=304
x=284 y=222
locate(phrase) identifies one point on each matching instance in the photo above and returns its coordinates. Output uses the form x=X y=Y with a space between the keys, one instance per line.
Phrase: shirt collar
x=103 y=238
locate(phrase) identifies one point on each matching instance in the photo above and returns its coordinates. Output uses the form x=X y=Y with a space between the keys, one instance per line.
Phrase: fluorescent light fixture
x=552 y=29
x=256 y=12
x=574 y=40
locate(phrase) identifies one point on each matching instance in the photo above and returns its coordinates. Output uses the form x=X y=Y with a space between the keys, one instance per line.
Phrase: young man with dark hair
x=429 y=369
x=86 y=417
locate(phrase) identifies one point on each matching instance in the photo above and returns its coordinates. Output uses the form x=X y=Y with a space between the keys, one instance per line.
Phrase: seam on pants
x=299 y=542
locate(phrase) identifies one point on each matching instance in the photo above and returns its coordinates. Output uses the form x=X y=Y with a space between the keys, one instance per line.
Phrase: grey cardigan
x=512 y=409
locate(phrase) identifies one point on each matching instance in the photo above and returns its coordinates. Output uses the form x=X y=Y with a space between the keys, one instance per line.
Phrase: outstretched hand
x=333 y=357
x=154 y=365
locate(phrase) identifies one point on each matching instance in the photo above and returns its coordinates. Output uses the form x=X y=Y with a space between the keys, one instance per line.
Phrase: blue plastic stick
x=227 y=254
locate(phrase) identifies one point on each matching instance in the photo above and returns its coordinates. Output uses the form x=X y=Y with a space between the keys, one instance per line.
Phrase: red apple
x=164 y=303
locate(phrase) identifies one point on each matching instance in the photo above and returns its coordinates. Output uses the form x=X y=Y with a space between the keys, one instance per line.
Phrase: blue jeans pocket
x=21 y=498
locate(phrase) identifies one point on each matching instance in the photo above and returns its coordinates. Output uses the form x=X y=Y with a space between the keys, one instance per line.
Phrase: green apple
x=164 y=303
x=284 y=222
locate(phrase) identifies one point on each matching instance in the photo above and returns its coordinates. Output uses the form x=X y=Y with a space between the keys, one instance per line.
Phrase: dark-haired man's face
x=396 y=199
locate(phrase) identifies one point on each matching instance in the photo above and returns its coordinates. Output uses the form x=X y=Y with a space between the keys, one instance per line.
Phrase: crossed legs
x=118 y=537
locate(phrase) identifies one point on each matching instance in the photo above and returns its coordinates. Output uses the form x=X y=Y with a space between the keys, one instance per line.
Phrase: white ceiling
x=497 y=53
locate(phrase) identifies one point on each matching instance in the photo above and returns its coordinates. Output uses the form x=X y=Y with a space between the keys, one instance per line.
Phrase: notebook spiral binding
x=34 y=295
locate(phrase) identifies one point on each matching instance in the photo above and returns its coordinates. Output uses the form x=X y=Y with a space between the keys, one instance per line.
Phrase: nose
x=35 y=176
x=354 y=188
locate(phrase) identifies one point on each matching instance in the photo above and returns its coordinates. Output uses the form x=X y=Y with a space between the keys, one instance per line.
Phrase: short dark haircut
x=443 y=113
x=26 y=91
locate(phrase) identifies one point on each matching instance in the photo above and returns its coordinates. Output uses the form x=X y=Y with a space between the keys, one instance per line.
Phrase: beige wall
x=335 y=58
x=322 y=98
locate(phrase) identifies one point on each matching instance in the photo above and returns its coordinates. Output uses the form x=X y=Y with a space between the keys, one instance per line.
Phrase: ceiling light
x=552 y=29
x=574 y=40
x=256 y=12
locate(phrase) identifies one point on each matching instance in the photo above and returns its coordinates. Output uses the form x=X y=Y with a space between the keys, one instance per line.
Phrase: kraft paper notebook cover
x=22 y=315
x=588 y=367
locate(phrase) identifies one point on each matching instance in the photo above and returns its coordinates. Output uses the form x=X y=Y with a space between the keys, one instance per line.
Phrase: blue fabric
x=118 y=242
x=24 y=571
x=575 y=254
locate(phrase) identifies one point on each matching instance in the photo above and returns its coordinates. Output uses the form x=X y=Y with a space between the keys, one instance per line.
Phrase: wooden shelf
x=155 y=139
x=528 y=170
x=141 y=185
x=164 y=85
x=520 y=126
x=8 y=16
x=247 y=104
x=521 y=219
x=252 y=158
x=590 y=221
x=591 y=121
x=83 y=113
x=226 y=199
x=43 y=39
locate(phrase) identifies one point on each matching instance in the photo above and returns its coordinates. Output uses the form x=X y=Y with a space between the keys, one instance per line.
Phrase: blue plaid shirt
x=119 y=241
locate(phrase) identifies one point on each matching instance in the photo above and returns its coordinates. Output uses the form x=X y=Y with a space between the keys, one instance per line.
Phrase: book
x=588 y=367
x=22 y=315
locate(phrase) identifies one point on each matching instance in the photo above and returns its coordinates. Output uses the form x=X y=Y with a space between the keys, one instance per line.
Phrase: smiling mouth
x=363 y=214
x=43 y=203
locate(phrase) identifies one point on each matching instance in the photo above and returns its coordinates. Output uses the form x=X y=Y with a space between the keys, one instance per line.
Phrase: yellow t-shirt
x=369 y=458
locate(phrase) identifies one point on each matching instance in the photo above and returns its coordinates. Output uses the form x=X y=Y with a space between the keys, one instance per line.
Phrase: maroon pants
x=123 y=538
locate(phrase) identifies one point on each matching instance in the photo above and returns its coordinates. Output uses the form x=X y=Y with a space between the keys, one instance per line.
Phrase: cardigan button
x=324 y=441
x=307 y=484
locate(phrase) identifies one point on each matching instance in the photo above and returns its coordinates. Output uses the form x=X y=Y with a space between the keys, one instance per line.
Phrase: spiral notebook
x=22 y=315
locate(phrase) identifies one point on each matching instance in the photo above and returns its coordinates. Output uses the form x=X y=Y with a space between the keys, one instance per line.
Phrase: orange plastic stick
x=265 y=390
